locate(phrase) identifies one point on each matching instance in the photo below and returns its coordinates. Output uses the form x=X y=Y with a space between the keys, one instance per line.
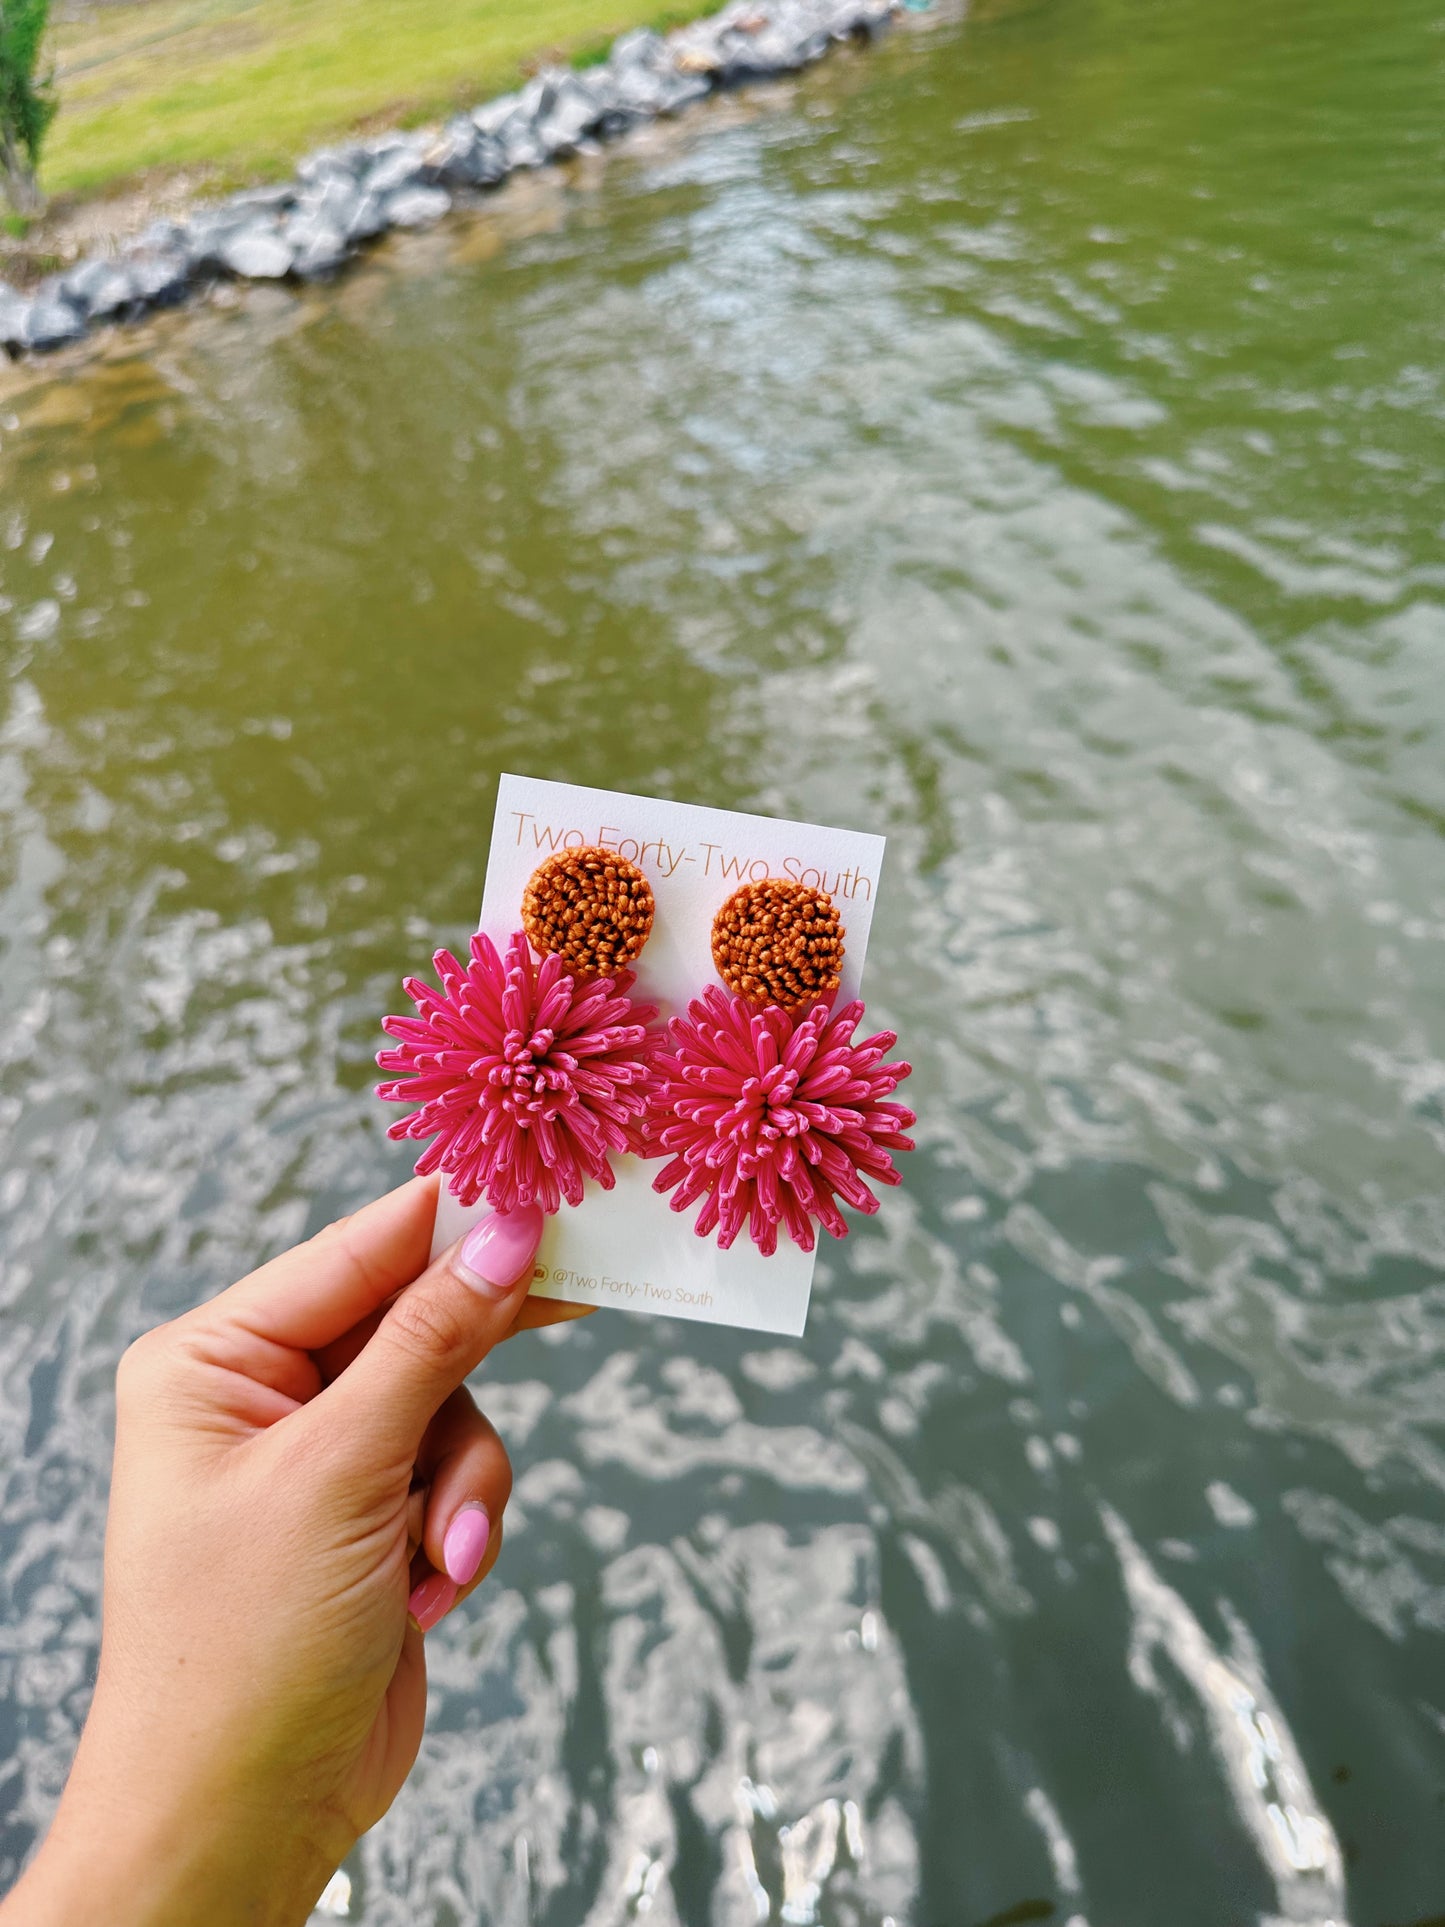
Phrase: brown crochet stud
x=777 y=942
x=590 y=907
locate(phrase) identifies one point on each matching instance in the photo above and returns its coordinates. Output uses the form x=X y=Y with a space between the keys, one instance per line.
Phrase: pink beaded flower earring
x=530 y=1075
x=769 y=1109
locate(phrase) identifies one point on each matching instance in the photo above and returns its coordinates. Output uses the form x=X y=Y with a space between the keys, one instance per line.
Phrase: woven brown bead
x=780 y=943
x=590 y=907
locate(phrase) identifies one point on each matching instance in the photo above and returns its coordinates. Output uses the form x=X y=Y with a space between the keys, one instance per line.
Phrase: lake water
x=1023 y=439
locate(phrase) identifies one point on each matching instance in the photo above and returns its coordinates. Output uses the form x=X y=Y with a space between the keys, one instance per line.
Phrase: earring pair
x=533 y=1069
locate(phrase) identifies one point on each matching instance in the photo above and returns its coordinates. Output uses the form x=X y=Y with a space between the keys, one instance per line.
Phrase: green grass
x=245 y=86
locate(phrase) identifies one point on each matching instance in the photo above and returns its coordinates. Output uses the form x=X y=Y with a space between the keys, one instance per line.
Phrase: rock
x=636 y=94
x=395 y=167
x=333 y=215
x=52 y=322
x=161 y=237
x=848 y=17
x=647 y=79
x=317 y=245
x=263 y=200
x=489 y=161
x=808 y=24
x=334 y=199
x=115 y=296
x=563 y=110
x=463 y=156
x=256 y=254
x=512 y=125
x=334 y=163
x=746 y=43
x=695 y=49
x=368 y=221
x=76 y=283
x=416 y=206
x=161 y=279
x=749 y=41
x=100 y=289
x=207 y=236
x=609 y=116
x=340 y=203
x=567 y=110
x=682 y=91
x=493 y=115
x=345 y=195
x=644 y=91
x=14 y=315
x=520 y=143
x=643 y=47
x=764 y=56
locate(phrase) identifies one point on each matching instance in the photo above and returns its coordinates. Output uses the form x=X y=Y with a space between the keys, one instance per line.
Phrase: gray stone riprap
x=343 y=197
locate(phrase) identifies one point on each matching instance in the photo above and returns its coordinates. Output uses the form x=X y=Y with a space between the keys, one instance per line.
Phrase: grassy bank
x=240 y=88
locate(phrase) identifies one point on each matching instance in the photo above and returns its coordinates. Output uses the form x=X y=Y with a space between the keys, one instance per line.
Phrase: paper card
x=628 y=1247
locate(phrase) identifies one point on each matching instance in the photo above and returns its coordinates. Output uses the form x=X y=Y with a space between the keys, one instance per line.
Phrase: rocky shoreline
x=343 y=198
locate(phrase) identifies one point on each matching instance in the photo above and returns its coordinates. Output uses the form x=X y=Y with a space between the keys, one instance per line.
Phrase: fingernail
x=432 y=1600
x=465 y=1542
x=495 y=1253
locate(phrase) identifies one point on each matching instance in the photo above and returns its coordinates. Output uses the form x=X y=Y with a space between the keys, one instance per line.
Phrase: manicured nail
x=465 y=1542
x=497 y=1252
x=432 y=1600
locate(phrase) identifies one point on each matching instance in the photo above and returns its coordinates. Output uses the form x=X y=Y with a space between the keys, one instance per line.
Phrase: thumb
x=437 y=1330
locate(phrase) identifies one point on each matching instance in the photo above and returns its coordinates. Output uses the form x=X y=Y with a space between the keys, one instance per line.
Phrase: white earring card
x=627 y=1247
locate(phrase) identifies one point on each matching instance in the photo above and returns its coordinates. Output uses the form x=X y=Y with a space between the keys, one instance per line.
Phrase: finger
x=333 y=1359
x=433 y=1595
x=494 y=1552
x=536 y=1313
x=310 y=1296
x=470 y=1483
x=415 y=1518
x=437 y=1331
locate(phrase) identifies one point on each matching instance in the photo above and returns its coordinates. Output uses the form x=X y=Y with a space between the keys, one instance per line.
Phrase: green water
x=1025 y=440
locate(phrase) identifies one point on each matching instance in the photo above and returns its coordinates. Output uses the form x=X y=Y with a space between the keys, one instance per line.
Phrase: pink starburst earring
x=771 y=1112
x=530 y=1075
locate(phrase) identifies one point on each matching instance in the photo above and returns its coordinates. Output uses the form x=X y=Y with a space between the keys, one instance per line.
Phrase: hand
x=302 y=1488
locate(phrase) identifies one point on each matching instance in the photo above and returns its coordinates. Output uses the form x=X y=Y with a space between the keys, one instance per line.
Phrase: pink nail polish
x=466 y=1543
x=432 y=1600
x=497 y=1252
